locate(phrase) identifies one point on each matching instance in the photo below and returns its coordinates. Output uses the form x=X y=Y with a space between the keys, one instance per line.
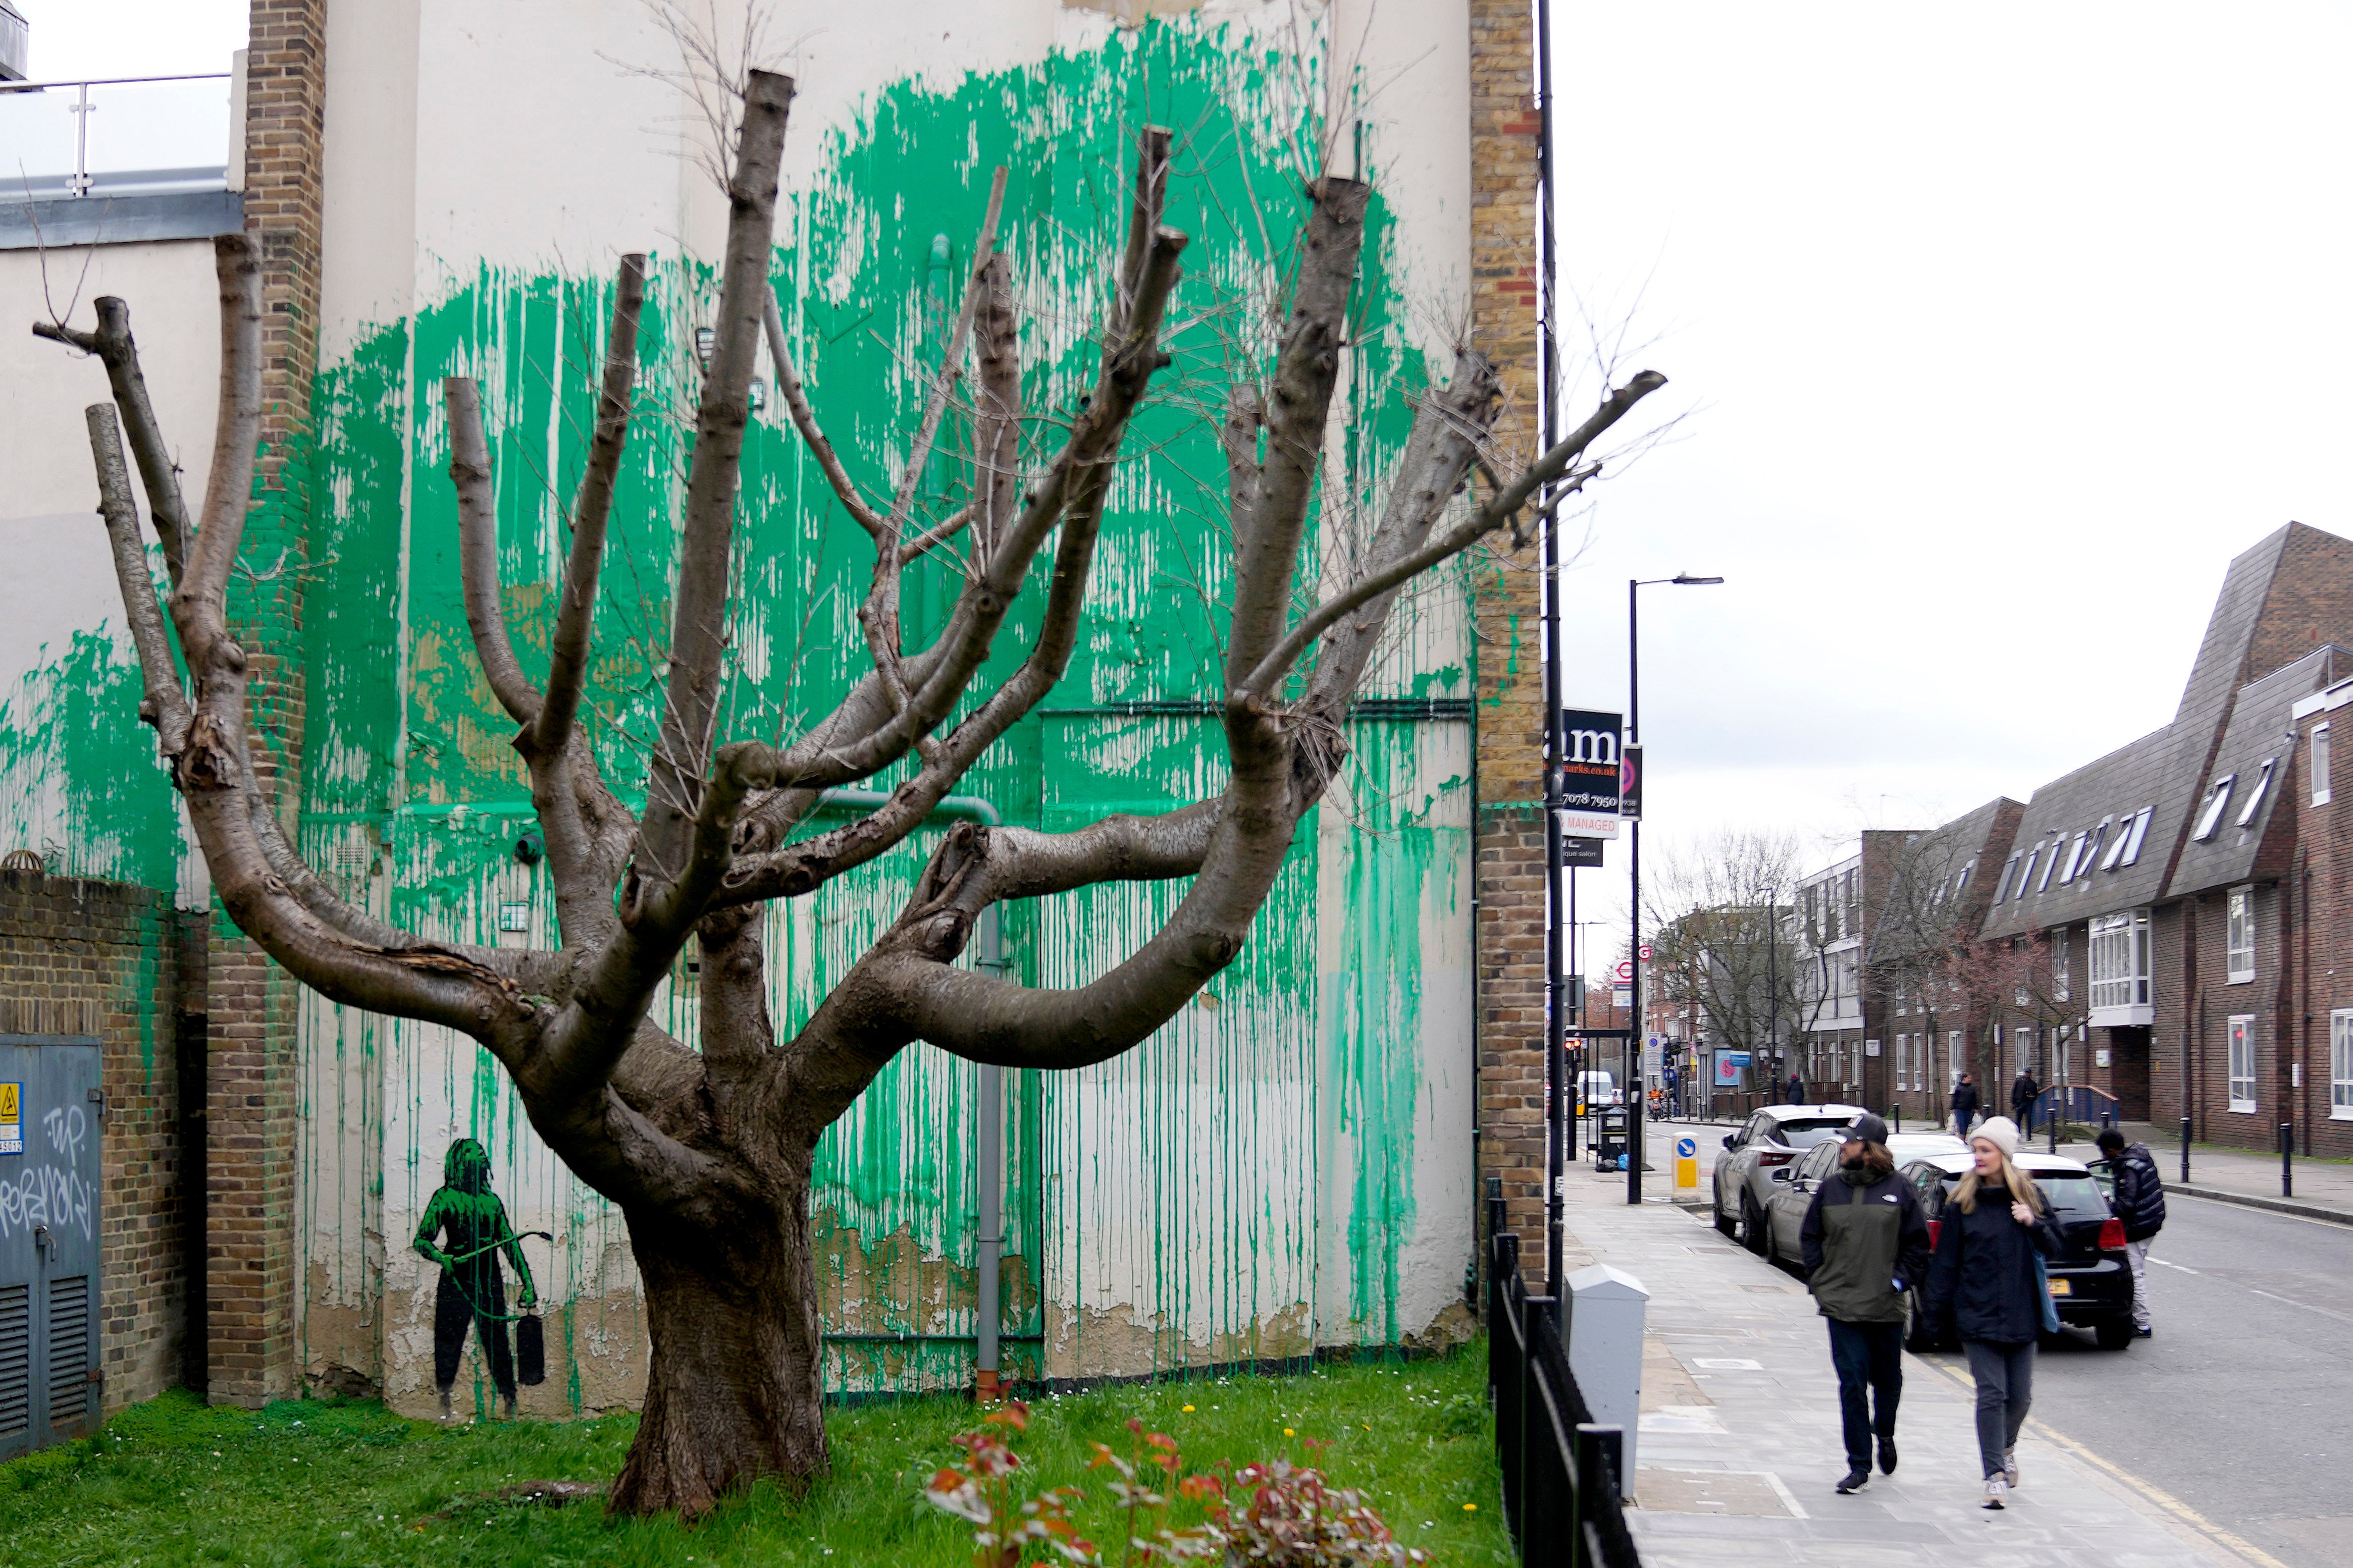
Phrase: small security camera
x=531 y=849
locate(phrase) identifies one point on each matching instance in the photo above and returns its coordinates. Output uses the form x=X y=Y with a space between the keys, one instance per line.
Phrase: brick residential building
x=2155 y=935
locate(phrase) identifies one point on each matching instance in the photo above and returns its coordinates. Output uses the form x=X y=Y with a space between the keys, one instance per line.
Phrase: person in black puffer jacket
x=1983 y=1285
x=2139 y=1202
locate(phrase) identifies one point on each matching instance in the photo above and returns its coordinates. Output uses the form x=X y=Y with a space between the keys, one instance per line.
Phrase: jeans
x=2137 y=1254
x=1961 y=1123
x=1870 y=1362
x=2005 y=1378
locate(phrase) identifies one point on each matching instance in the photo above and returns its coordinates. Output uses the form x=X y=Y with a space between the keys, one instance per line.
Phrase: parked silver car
x=1770 y=1141
x=1793 y=1186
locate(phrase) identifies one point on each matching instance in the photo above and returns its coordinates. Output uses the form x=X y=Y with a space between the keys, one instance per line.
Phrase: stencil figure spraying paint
x=471 y=1224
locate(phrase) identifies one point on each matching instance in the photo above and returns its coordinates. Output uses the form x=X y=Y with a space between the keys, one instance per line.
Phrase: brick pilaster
x=250 y=1003
x=1510 y=937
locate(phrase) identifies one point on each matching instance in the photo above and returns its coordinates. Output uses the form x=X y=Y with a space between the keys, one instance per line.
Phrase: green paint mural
x=1177 y=1206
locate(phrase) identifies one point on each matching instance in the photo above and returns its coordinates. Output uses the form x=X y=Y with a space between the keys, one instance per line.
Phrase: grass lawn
x=318 y=1482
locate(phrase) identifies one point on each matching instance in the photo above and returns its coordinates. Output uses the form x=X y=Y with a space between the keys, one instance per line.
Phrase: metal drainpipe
x=989 y=1136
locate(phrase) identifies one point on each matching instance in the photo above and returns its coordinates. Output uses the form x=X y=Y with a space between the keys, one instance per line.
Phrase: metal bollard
x=2185 y=1151
x=1895 y=1118
x=2287 y=1149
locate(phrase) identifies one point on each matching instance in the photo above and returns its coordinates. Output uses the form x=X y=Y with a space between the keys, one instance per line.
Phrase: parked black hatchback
x=2090 y=1282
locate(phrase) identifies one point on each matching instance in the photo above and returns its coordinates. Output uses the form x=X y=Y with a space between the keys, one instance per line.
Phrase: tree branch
x=237 y=435
x=997 y=432
x=1260 y=680
x=157 y=472
x=478 y=550
x=699 y=609
x=576 y=614
x=165 y=705
x=1266 y=554
x=796 y=397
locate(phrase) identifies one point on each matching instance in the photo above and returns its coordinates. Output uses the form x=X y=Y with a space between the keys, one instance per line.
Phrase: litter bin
x=1609 y=1146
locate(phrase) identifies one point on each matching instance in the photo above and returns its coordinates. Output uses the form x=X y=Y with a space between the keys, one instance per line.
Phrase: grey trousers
x=2137 y=1254
x=2005 y=1379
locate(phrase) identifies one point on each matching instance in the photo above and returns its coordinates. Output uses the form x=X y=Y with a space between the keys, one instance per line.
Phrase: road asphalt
x=2223 y=1439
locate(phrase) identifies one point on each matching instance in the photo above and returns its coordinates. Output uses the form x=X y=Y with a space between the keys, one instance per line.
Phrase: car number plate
x=2062 y=1286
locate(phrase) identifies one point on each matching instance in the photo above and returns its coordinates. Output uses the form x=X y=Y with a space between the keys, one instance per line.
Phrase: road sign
x=1686 y=1164
x=1624 y=973
x=1580 y=854
x=1645 y=951
x=1588 y=825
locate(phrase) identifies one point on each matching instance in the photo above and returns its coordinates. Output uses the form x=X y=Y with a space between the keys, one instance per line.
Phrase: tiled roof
x=2260 y=731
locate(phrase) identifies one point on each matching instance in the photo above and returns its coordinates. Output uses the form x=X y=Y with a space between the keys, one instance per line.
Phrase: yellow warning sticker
x=12 y=1122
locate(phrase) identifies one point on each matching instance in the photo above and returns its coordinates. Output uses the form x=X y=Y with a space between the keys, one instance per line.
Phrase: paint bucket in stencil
x=531 y=1351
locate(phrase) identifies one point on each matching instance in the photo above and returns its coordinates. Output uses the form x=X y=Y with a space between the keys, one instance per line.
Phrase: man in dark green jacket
x=1865 y=1240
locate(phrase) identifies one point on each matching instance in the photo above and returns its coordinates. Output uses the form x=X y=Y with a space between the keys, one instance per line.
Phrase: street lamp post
x=1635 y=1136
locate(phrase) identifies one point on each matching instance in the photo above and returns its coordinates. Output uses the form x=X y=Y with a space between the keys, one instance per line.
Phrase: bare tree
x=709 y=1153
x=1725 y=947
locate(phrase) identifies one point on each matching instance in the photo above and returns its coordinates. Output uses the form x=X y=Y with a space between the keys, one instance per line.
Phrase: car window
x=2073 y=1197
x=1754 y=1130
x=1819 y=1163
x=1804 y=1131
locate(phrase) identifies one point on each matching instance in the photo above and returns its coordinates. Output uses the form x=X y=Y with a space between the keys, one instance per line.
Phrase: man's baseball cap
x=1866 y=1129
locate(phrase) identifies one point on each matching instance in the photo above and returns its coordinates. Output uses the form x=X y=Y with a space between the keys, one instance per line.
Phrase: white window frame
x=2320 y=764
x=2139 y=832
x=2340 y=1064
x=1952 y=1058
x=2239 y=935
x=2009 y=875
x=2021 y=1040
x=2210 y=807
x=2255 y=795
x=2052 y=864
x=2242 y=1037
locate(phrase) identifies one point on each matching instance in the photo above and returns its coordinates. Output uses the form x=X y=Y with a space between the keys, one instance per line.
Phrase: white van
x=1595 y=1089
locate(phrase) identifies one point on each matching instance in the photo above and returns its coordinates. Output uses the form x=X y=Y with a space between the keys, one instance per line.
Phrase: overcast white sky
x=2003 y=327
x=2000 y=331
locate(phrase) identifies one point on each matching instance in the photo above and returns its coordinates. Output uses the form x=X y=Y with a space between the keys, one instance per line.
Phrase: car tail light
x=2112 y=1234
x=1772 y=1158
x=1935 y=1229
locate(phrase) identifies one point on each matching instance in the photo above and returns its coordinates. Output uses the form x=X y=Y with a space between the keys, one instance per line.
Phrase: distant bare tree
x=1725 y=947
x=709 y=1153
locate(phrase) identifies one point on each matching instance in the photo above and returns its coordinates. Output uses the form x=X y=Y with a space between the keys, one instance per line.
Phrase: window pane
x=2210 y=809
x=2255 y=795
x=2319 y=763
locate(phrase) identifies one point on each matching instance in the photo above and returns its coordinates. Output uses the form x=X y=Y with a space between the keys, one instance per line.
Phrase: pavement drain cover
x=1741 y=1492
x=1733 y=1365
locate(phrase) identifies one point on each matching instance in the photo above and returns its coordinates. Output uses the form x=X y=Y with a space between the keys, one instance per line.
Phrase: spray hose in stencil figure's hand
x=481 y=1312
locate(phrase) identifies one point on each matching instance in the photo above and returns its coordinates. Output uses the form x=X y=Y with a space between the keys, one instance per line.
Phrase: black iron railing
x=1562 y=1491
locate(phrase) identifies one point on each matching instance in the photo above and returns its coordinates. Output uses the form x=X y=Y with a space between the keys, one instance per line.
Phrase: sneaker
x=2144 y=1334
x=1996 y=1492
x=1856 y=1479
x=1887 y=1455
x=2009 y=1466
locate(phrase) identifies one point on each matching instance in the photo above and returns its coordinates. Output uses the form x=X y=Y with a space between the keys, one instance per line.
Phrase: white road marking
x=2266 y=1295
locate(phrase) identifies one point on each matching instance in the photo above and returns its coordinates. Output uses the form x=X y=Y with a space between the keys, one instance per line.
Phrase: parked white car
x=1764 y=1151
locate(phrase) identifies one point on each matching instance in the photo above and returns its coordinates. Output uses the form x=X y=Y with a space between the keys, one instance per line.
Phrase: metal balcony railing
x=123 y=136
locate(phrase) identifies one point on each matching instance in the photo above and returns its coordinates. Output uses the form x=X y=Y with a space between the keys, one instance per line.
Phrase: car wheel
x=1752 y=1225
x=2113 y=1333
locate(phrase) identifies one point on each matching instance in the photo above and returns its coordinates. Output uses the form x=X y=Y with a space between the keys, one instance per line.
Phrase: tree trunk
x=732 y=1392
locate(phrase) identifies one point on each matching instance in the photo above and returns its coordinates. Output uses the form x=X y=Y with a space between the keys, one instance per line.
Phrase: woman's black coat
x=1981 y=1279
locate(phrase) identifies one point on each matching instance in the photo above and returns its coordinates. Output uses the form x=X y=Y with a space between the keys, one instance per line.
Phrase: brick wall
x=250 y=1003
x=1511 y=923
x=101 y=959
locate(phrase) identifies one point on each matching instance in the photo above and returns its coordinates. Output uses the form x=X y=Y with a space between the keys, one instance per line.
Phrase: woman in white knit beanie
x=1983 y=1285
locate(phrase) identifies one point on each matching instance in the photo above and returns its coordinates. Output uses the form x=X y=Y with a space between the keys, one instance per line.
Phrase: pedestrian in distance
x=1964 y=1105
x=2023 y=1092
x=1796 y=1089
x=2139 y=1202
x=1986 y=1283
x=1865 y=1240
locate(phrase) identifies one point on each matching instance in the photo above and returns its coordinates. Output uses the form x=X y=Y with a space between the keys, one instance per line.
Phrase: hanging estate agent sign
x=1589 y=744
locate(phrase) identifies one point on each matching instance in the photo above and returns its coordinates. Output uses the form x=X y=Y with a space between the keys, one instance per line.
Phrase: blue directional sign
x=1686 y=1148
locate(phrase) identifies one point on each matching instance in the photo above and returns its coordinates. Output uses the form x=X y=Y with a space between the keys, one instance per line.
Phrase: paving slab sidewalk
x=1739 y=1446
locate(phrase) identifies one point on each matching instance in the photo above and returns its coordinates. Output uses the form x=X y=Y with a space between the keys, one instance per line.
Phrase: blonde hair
x=2021 y=1185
